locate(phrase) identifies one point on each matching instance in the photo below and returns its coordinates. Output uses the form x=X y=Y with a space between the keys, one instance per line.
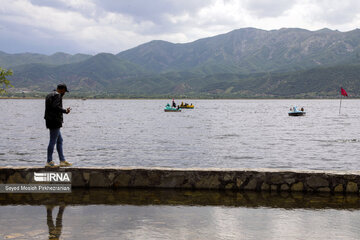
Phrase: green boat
x=168 y=108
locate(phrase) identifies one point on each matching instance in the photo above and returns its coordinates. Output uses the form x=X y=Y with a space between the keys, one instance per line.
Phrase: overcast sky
x=94 y=26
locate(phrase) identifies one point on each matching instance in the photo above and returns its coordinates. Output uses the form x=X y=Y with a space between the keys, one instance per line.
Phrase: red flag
x=343 y=92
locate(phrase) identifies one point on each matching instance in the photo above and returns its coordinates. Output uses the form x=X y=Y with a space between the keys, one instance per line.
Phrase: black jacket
x=54 y=110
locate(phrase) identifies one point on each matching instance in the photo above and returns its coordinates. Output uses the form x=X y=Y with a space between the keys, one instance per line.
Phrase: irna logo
x=52 y=177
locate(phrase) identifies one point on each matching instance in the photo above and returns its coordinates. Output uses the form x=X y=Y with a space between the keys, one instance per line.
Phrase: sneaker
x=65 y=164
x=50 y=164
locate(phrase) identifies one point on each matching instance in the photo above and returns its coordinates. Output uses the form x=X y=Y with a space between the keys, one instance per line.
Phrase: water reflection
x=178 y=214
x=285 y=200
x=54 y=229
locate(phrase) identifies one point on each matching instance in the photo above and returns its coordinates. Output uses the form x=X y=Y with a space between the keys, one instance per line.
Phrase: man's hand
x=68 y=110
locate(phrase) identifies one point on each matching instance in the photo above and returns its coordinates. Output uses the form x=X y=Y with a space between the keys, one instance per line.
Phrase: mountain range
x=246 y=62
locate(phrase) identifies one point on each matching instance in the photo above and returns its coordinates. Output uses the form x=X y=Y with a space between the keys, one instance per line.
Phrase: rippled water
x=217 y=133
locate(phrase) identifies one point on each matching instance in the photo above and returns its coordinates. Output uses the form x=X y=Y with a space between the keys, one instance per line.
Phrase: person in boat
x=173 y=103
x=302 y=109
x=186 y=104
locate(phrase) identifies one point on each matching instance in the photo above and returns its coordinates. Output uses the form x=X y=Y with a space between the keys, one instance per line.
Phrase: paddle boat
x=187 y=106
x=168 y=108
x=294 y=111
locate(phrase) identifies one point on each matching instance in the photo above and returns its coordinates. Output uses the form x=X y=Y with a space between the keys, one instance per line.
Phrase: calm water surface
x=179 y=222
x=163 y=214
x=217 y=133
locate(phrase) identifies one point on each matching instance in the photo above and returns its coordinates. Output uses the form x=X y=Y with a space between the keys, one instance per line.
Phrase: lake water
x=217 y=133
x=171 y=214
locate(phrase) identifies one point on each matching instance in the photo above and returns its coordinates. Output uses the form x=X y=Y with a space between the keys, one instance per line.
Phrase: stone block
x=291 y=175
x=111 y=176
x=77 y=179
x=154 y=178
x=350 y=177
x=316 y=182
x=251 y=185
x=290 y=181
x=297 y=187
x=339 y=188
x=185 y=184
x=180 y=179
x=174 y=181
x=228 y=177
x=2 y=177
x=208 y=182
x=239 y=182
x=29 y=177
x=98 y=179
x=352 y=187
x=86 y=176
x=16 y=178
x=140 y=179
x=260 y=177
x=122 y=180
x=276 y=179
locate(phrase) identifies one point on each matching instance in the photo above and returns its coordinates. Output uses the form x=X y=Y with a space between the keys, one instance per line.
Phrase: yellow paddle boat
x=186 y=105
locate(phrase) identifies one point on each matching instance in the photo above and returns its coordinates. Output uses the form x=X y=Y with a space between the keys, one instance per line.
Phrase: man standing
x=54 y=119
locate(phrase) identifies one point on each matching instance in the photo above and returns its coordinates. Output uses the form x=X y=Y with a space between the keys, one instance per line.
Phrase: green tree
x=4 y=83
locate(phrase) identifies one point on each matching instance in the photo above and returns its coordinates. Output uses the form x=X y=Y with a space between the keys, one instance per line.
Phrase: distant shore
x=179 y=97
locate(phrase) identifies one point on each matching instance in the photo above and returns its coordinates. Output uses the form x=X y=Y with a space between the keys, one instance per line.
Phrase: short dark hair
x=62 y=86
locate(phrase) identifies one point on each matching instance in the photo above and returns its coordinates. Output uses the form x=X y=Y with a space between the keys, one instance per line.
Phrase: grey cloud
x=33 y=37
x=15 y=43
x=139 y=10
x=17 y=38
x=152 y=10
x=268 y=8
x=61 y=5
x=50 y=3
x=157 y=12
x=337 y=12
